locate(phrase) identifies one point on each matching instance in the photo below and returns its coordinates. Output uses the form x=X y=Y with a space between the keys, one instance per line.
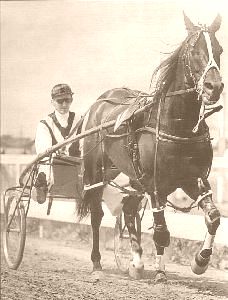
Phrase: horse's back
x=110 y=104
x=107 y=107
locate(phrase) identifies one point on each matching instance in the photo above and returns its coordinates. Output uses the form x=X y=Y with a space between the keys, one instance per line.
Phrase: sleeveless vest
x=74 y=148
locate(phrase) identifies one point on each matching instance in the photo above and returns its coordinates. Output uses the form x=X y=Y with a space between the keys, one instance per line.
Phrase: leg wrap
x=161 y=236
x=212 y=220
x=206 y=253
x=212 y=215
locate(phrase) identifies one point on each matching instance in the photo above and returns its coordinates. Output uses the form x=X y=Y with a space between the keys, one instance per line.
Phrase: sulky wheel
x=122 y=246
x=14 y=232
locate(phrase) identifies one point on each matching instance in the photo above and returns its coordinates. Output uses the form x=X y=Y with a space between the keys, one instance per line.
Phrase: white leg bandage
x=159 y=263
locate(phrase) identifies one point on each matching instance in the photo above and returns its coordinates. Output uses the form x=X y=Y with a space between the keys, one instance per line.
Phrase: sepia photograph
x=114 y=149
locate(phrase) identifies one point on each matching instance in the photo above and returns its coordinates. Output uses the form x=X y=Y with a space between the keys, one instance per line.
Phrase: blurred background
x=93 y=46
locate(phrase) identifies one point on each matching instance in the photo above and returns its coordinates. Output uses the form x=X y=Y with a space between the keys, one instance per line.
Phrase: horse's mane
x=163 y=74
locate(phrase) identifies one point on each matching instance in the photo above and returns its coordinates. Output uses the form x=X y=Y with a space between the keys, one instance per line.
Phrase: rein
x=169 y=94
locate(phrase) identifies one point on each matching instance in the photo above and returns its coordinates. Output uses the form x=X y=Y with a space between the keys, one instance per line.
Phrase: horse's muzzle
x=212 y=89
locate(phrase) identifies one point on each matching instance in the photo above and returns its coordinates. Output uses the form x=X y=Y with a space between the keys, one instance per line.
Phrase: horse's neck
x=179 y=113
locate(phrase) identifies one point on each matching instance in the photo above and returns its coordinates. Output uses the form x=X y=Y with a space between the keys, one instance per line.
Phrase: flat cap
x=60 y=90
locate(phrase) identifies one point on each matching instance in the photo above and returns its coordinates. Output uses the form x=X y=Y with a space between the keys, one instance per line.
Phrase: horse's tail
x=83 y=201
x=82 y=204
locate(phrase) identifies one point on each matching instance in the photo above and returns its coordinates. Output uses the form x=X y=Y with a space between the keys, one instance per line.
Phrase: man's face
x=62 y=103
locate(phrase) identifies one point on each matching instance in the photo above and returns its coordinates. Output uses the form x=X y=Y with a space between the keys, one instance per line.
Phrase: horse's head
x=202 y=59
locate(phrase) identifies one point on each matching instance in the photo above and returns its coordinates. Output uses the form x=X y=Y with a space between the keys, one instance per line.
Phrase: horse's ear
x=188 y=23
x=216 y=24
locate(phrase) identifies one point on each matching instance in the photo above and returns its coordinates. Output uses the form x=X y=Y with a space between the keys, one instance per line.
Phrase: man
x=55 y=128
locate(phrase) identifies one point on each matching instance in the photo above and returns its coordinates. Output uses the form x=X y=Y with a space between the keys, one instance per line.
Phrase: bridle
x=210 y=64
x=199 y=85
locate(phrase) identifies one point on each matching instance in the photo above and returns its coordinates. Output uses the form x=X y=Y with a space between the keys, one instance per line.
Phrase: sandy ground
x=57 y=270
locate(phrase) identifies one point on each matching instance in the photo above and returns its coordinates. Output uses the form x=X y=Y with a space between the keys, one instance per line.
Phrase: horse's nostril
x=208 y=85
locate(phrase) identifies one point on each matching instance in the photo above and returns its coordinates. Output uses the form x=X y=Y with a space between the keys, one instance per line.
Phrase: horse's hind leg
x=161 y=239
x=212 y=220
x=96 y=217
x=130 y=208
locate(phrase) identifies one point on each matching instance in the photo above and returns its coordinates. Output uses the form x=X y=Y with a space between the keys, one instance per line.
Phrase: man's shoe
x=41 y=188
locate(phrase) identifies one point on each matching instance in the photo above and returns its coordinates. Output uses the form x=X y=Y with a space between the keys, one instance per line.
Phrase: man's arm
x=43 y=139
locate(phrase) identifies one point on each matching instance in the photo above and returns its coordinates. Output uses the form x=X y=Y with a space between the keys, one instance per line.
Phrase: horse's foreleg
x=161 y=239
x=212 y=220
x=96 y=217
x=130 y=209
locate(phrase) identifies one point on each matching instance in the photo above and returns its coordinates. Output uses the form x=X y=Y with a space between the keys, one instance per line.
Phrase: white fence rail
x=180 y=225
x=14 y=164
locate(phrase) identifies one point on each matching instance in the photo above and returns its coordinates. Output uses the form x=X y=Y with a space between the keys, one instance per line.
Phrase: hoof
x=97 y=276
x=199 y=264
x=136 y=273
x=160 y=277
x=97 y=266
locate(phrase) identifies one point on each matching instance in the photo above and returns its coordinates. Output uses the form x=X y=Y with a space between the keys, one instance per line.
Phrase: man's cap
x=61 y=90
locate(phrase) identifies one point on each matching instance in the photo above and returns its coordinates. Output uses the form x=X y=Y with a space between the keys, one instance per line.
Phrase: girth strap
x=133 y=152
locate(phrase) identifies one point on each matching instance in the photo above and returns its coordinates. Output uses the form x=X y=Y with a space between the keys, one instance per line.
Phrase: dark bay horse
x=163 y=147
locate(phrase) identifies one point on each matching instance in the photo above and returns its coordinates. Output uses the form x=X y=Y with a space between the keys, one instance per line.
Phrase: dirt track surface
x=54 y=270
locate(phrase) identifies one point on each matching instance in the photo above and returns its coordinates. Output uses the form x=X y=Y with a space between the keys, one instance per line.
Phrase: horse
x=161 y=142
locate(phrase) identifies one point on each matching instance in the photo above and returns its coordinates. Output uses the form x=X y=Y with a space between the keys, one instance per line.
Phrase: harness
x=162 y=136
x=131 y=134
